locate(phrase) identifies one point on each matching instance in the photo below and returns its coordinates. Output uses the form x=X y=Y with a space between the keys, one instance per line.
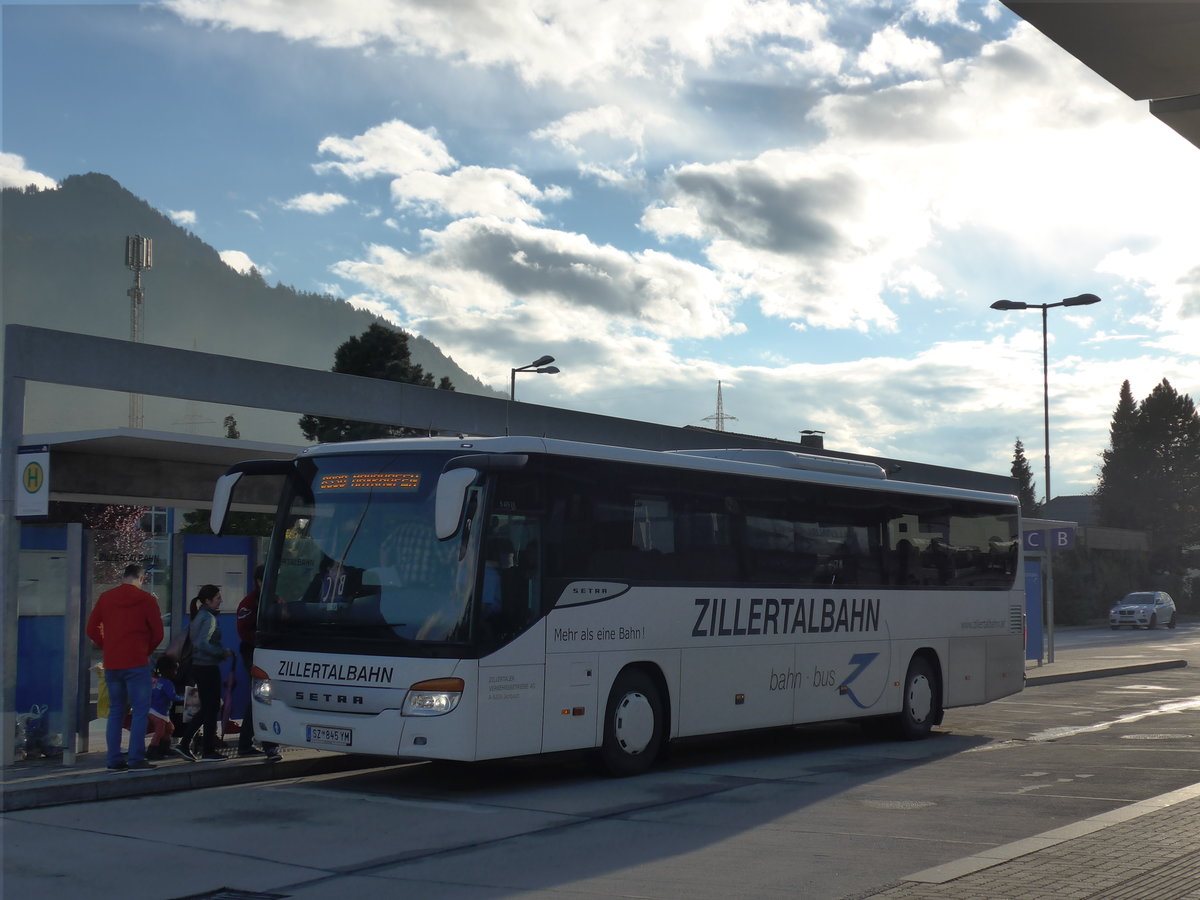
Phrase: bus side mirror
x=451 y=498
x=222 y=496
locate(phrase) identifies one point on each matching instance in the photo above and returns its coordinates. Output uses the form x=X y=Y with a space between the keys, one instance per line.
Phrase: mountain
x=64 y=268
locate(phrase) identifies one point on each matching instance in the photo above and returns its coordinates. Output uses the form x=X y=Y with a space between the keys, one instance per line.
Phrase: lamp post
x=1005 y=305
x=540 y=366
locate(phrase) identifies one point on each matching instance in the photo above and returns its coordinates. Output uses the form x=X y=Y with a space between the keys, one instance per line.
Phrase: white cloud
x=492 y=292
x=608 y=121
x=13 y=173
x=811 y=235
x=472 y=191
x=1169 y=276
x=184 y=217
x=317 y=204
x=419 y=161
x=608 y=141
x=891 y=50
x=818 y=58
x=239 y=261
x=543 y=41
x=934 y=12
x=540 y=285
x=1020 y=138
x=392 y=148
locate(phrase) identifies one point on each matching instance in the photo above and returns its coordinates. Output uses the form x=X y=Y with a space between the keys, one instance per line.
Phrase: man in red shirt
x=127 y=626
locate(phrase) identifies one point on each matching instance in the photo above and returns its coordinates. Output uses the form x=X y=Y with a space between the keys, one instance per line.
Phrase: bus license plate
x=323 y=734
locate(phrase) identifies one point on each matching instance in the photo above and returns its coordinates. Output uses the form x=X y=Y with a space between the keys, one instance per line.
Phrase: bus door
x=512 y=635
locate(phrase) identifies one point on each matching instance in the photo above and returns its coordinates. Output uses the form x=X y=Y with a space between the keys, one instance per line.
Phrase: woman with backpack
x=208 y=653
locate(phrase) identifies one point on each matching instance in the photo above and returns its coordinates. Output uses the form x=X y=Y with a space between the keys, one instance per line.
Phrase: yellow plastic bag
x=101 y=694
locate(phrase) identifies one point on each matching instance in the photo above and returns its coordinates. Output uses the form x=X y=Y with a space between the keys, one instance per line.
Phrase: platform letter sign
x=33 y=482
x=1061 y=538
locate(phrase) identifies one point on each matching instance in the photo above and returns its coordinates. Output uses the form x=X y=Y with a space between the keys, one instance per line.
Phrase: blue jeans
x=127 y=687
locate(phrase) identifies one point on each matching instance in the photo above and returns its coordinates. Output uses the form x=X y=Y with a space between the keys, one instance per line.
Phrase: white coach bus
x=475 y=599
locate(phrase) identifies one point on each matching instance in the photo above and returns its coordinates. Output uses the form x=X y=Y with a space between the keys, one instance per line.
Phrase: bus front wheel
x=633 y=725
x=922 y=700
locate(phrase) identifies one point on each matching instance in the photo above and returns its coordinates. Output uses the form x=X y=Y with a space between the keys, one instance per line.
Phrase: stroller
x=33 y=741
x=183 y=711
x=186 y=706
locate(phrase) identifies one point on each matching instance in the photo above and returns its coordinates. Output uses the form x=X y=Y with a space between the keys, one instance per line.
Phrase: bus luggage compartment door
x=510 y=710
x=571 y=701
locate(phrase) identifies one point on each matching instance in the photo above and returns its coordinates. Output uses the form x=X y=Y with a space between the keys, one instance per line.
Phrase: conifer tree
x=379 y=352
x=1150 y=480
x=1026 y=489
x=1168 y=435
x=1117 y=490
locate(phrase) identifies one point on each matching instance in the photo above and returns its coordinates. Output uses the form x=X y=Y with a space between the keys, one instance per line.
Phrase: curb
x=1084 y=674
x=90 y=787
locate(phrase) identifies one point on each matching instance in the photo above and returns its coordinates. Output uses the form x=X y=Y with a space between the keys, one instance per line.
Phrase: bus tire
x=633 y=725
x=922 y=700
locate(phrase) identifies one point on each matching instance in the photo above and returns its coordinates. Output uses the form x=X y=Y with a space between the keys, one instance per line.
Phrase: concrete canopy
x=1150 y=49
x=148 y=468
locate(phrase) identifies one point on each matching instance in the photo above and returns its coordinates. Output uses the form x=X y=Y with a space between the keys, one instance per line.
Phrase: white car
x=1143 y=609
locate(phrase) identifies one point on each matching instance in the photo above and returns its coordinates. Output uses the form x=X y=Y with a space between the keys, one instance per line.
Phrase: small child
x=162 y=695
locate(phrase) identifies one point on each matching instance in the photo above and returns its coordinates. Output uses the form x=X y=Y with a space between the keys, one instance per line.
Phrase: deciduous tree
x=379 y=352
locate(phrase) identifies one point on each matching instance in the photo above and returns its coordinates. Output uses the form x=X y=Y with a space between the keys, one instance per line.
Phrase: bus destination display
x=370 y=481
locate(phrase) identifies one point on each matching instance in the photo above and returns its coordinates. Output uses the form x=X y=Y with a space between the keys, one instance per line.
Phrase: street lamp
x=540 y=366
x=1005 y=305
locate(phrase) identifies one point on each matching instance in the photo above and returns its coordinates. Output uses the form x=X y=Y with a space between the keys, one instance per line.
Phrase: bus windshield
x=358 y=563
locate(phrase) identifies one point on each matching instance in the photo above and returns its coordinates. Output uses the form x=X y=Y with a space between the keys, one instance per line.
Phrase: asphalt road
x=821 y=812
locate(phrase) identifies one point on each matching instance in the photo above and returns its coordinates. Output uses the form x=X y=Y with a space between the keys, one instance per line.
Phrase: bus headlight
x=260 y=685
x=433 y=698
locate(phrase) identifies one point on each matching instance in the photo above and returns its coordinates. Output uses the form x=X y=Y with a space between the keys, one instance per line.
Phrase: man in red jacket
x=127 y=626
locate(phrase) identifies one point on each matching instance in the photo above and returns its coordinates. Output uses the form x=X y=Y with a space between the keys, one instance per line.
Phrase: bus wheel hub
x=920 y=699
x=635 y=723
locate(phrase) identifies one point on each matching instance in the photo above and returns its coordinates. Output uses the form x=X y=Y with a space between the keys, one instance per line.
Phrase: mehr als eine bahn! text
x=476 y=599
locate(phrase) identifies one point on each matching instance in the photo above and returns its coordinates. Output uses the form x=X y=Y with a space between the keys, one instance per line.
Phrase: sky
x=812 y=203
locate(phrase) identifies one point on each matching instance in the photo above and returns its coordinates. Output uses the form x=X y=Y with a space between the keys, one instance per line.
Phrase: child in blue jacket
x=162 y=695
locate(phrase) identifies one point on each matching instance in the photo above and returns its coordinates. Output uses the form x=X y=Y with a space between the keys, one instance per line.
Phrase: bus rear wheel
x=633 y=725
x=922 y=701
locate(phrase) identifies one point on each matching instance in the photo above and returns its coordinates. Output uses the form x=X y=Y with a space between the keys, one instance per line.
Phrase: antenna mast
x=719 y=416
x=139 y=254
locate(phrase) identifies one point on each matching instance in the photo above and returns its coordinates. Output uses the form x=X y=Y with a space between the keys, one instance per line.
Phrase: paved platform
x=1149 y=849
x=1144 y=851
x=40 y=783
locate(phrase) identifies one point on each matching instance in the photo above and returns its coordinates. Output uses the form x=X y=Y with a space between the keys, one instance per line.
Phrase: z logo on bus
x=860 y=661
